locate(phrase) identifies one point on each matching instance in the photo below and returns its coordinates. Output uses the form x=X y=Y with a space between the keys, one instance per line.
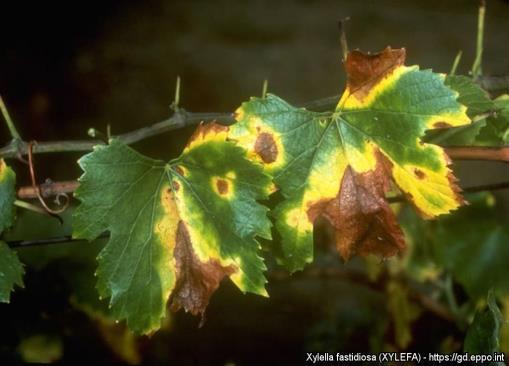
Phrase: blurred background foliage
x=69 y=66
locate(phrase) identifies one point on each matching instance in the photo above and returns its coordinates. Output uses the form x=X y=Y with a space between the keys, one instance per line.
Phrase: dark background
x=65 y=67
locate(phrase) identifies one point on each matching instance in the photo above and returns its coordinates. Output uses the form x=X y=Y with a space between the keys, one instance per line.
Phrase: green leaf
x=491 y=117
x=474 y=247
x=11 y=272
x=471 y=244
x=496 y=131
x=176 y=228
x=339 y=165
x=471 y=95
x=11 y=269
x=477 y=102
x=483 y=334
x=7 y=196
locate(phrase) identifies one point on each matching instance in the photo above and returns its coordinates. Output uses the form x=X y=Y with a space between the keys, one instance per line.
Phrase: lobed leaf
x=11 y=272
x=339 y=165
x=11 y=269
x=490 y=126
x=482 y=336
x=478 y=104
x=476 y=255
x=176 y=228
x=470 y=95
x=496 y=130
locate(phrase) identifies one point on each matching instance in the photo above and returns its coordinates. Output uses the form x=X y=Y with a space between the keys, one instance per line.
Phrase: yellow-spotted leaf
x=176 y=229
x=340 y=164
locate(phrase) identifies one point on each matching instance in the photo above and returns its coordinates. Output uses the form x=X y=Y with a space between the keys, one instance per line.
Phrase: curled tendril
x=61 y=196
x=52 y=212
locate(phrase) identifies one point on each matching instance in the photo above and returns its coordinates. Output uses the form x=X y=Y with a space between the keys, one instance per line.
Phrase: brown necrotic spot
x=196 y=280
x=168 y=194
x=419 y=173
x=266 y=148
x=222 y=186
x=441 y=124
x=179 y=170
x=176 y=185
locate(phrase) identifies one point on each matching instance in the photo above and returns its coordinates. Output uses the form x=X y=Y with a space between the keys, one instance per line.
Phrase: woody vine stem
x=180 y=119
x=18 y=148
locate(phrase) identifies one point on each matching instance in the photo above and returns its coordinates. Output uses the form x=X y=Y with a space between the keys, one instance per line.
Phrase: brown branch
x=478 y=153
x=179 y=119
x=182 y=118
x=51 y=189
x=48 y=189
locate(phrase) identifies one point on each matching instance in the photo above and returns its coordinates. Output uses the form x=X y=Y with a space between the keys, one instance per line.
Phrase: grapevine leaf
x=176 y=228
x=491 y=117
x=11 y=269
x=476 y=255
x=7 y=196
x=483 y=334
x=477 y=102
x=339 y=165
x=496 y=130
x=471 y=95
x=11 y=272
